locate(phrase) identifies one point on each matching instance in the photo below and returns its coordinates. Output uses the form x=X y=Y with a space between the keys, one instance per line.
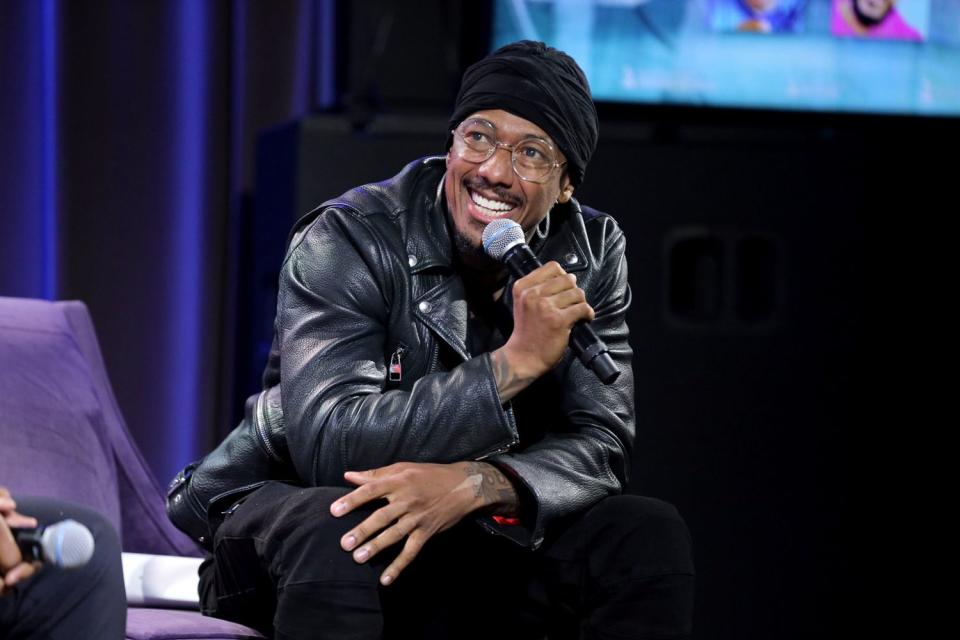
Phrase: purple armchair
x=62 y=435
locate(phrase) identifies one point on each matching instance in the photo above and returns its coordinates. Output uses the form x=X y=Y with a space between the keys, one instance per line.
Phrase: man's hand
x=424 y=499
x=12 y=567
x=546 y=304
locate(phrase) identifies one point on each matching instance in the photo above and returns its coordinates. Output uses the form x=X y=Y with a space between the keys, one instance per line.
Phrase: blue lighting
x=326 y=93
x=187 y=242
x=48 y=181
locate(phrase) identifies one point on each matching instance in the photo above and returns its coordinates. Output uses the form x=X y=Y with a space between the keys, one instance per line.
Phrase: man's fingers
x=541 y=274
x=21 y=521
x=410 y=550
x=568 y=298
x=9 y=551
x=379 y=519
x=7 y=504
x=373 y=484
x=568 y=305
x=577 y=312
x=555 y=285
x=20 y=572
x=379 y=472
x=360 y=478
x=359 y=496
x=388 y=538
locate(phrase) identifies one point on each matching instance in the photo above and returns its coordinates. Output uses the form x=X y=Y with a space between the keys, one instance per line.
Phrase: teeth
x=494 y=206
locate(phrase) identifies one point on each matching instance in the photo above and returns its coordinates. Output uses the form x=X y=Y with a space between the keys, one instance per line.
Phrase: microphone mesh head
x=500 y=236
x=67 y=544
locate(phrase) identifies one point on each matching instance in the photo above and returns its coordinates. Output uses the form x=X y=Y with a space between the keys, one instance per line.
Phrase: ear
x=566 y=191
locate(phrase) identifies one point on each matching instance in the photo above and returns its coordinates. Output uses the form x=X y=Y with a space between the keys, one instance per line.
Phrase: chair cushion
x=51 y=421
x=167 y=624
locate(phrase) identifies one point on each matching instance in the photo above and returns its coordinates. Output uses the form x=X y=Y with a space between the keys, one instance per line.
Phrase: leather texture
x=200 y=496
x=370 y=275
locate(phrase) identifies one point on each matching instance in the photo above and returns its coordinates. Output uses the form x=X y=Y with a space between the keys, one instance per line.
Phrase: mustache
x=479 y=183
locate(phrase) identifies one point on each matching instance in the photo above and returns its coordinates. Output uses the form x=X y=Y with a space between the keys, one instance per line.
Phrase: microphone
x=66 y=544
x=503 y=241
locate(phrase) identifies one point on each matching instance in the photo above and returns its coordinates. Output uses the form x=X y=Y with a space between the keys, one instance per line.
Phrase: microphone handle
x=30 y=542
x=584 y=342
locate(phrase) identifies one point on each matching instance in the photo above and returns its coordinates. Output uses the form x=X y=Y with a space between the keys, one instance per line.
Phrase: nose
x=498 y=168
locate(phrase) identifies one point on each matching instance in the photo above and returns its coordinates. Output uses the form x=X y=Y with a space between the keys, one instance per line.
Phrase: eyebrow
x=528 y=136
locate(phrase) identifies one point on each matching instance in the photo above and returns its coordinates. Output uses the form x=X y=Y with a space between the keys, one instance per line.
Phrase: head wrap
x=539 y=84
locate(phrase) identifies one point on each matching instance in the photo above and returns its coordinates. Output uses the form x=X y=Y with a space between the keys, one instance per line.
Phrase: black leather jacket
x=369 y=280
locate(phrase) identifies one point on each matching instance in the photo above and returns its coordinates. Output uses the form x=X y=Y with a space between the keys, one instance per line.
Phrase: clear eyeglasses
x=533 y=159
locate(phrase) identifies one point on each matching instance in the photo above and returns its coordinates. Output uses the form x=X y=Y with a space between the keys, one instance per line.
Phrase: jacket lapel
x=444 y=309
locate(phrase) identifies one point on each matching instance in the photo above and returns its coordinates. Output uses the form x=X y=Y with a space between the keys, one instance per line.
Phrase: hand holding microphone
x=24 y=545
x=66 y=544
x=549 y=309
x=12 y=567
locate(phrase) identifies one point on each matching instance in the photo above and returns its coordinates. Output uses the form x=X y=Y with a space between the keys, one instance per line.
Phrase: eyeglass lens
x=532 y=158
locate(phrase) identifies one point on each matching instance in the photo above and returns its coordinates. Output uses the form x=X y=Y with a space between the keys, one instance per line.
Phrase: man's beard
x=868 y=21
x=470 y=254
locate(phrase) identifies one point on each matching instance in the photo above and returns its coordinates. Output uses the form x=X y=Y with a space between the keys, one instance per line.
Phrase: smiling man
x=451 y=471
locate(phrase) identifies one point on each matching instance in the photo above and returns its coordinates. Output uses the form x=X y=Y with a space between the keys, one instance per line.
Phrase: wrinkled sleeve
x=332 y=315
x=588 y=457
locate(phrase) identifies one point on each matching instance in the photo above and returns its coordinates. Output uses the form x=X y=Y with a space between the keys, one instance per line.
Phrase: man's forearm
x=510 y=378
x=494 y=491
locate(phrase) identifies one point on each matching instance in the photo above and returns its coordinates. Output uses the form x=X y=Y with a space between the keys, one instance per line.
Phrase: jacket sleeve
x=587 y=457
x=332 y=315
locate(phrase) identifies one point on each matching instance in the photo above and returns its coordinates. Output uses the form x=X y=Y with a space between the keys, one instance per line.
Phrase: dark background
x=155 y=155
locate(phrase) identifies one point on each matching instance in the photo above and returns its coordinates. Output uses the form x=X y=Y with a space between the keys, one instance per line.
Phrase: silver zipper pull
x=396 y=368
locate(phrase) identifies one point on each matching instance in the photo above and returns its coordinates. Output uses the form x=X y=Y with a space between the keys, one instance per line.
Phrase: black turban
x=539 y=84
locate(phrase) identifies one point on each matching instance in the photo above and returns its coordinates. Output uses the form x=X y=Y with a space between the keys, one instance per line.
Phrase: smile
x=493 y=208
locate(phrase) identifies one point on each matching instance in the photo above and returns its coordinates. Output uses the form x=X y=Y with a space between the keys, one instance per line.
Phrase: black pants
x=86 y=602
x=623 y=569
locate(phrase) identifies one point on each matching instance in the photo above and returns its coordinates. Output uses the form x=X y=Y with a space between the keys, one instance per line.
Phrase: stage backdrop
x=125 y=167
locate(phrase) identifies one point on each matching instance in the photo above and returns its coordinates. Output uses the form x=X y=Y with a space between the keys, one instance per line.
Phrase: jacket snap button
x=571 y=258
x=412 y=260
x=425 y=307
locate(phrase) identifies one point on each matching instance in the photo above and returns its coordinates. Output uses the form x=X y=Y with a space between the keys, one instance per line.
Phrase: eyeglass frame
x=497 y=144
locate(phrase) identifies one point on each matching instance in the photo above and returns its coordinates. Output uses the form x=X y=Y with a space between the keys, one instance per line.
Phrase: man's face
x=875 y=9
x=478 y=193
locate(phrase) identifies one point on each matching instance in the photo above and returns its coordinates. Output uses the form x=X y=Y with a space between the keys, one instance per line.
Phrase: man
x=485 y=461
x=49 y=602
x=759 y=16
x=871 y=19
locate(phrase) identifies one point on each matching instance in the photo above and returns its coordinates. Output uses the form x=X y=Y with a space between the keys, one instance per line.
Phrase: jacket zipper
x=496 y=452
x=503 y=449
x=435 y=360
x=260 y=419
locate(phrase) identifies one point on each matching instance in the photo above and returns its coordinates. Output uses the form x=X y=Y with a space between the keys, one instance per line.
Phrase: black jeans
x=622 y=569
x=86 y=602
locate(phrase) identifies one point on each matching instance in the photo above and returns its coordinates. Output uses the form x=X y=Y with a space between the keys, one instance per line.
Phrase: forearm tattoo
x=508 y=382
x=494 y=488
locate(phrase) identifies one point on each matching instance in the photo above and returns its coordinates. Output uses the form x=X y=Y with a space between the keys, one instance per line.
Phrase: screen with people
x=867 y=56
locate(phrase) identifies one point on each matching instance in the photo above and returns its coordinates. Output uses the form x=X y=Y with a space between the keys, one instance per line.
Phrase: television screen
x=876 y=56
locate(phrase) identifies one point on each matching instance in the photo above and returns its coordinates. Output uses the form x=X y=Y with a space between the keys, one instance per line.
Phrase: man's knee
x=303 y=515
x=105 y=561
x=277 y=509
x=87 y=601
x=292 y=531
x=643 y=532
